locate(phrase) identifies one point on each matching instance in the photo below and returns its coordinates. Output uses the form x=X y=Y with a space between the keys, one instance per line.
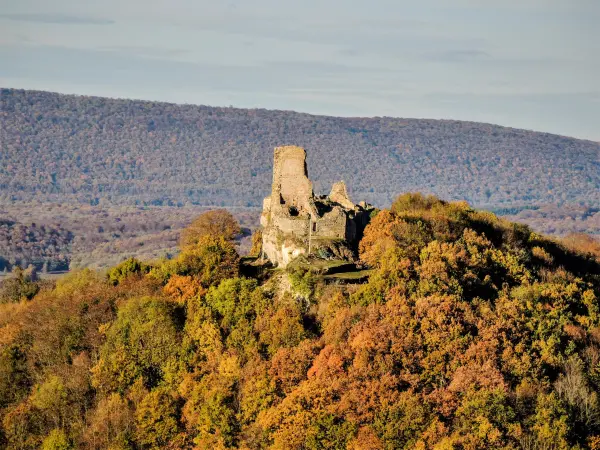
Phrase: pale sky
x=531 y=64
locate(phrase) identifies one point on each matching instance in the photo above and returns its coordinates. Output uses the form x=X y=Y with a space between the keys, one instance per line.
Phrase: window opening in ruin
x=314 y=225
x=293 y=211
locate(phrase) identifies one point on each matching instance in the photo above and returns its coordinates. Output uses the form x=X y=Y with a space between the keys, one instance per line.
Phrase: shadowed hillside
x=102 y=151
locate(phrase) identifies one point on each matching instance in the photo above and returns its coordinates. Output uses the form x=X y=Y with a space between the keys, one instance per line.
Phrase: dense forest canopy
x=472 y=332
x=100 y=151
x=62 y=236
x=42 y=246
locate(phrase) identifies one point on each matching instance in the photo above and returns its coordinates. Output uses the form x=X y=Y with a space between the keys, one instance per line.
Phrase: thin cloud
x=457 y=56
x=516 y=62
x=144 y=52
x=57 y=19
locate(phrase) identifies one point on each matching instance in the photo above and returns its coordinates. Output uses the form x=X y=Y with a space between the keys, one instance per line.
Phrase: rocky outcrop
x=296 y=222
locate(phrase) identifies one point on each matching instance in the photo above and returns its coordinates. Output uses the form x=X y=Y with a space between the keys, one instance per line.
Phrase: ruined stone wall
x=291 y=225
x=292 y=214
x=332 y=225
x=291 y=186
x=339 y=194
x=281 y=247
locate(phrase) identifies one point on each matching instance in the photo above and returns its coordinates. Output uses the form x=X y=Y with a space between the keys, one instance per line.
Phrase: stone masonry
x=296 y=222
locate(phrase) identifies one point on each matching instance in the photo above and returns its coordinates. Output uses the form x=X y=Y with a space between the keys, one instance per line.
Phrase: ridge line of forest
x=96 y=150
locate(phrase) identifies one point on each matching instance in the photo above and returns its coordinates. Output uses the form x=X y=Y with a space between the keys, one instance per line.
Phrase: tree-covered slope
x=88 y=149
x=471 y=333
x=42 y=246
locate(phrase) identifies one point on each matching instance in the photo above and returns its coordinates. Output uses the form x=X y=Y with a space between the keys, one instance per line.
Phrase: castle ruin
x=296 y=222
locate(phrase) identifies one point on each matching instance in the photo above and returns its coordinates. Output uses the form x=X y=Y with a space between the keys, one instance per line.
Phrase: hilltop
x=91 y=150
x=471 y=332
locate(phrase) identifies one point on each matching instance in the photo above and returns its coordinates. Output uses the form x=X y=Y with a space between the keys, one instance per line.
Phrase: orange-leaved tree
x=218 y=222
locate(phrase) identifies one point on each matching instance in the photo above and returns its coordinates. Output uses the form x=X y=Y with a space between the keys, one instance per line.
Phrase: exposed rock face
x=296 y=222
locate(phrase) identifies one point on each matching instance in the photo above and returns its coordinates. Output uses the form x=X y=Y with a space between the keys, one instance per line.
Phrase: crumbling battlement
x=296 y=222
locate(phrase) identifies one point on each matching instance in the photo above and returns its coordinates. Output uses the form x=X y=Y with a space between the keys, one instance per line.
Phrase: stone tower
x=296 y=222
x=291 y=186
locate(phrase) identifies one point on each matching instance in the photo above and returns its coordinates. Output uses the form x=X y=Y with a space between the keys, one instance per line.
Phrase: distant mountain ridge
x=93 y=150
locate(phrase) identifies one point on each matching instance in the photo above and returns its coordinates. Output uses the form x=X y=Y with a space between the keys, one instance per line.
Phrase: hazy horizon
x=527 y=64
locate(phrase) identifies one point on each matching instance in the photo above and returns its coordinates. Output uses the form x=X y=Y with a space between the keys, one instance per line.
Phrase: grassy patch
x=355 y=276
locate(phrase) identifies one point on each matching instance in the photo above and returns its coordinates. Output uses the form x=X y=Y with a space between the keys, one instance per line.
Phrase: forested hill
x=97 y=150
x=471 y=333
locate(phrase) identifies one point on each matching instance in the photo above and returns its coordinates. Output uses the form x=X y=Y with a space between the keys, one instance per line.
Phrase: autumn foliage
x=471 y=333
x=215 y=223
